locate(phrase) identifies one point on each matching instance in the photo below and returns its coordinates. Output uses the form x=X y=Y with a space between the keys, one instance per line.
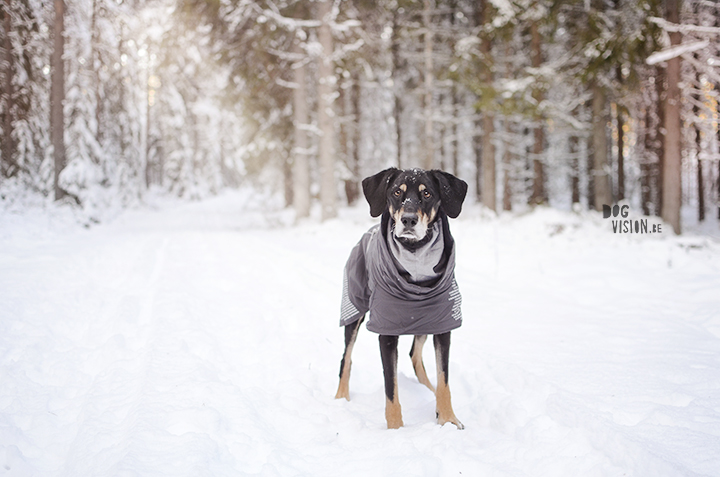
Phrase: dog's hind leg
x=351 y=332
x=442 y=395
x=417 y=361
x=389 y=354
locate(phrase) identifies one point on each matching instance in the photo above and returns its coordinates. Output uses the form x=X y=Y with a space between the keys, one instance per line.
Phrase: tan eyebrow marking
x=403 y=187
x=421 y=187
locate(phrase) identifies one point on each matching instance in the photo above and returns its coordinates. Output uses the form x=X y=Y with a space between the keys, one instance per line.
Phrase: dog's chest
x=418 y=266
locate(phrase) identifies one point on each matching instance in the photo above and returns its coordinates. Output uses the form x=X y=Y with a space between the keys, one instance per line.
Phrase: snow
x=675 y=51
x=201 y=338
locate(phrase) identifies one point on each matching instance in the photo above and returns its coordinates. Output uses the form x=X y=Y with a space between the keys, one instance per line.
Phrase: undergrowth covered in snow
x=201 y=338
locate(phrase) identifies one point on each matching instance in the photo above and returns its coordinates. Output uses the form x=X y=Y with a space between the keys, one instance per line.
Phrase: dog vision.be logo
x=628 y=226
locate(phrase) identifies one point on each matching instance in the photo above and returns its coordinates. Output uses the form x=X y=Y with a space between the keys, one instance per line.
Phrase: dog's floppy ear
x=452 y=192
x=375 y=189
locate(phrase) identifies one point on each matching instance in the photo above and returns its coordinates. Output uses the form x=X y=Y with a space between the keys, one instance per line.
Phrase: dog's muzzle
x=410 y=227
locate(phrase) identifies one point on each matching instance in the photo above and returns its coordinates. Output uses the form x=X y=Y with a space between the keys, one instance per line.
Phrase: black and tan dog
x=402 y=273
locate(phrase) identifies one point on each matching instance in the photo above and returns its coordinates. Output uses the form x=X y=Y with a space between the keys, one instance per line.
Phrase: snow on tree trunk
x=672 y=188
x=326 y=88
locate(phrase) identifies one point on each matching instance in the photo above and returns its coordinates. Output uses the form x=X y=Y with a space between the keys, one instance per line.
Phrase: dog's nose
x=409 y=220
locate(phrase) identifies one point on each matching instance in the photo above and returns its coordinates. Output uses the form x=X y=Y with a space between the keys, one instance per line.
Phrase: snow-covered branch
x=675 y=51
x=684 y=28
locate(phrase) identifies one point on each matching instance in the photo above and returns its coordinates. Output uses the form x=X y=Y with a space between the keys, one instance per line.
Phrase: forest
x=567 y=103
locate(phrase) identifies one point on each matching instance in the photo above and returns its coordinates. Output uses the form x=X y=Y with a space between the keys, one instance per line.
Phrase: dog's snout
x=409 y=220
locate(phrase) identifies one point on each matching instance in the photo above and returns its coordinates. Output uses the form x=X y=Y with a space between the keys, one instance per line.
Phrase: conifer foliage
x=556 y=102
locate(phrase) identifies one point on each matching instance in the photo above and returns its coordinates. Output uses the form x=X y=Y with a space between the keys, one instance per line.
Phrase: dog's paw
x=340 y=395
x=452 y=419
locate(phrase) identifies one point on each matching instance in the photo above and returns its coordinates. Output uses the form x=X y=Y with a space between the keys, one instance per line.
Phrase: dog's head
x=413 y=198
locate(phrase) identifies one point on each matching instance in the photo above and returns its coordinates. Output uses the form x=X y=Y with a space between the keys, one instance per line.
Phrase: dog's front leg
x=389 y=353
x=442 y=394
x=351 y=332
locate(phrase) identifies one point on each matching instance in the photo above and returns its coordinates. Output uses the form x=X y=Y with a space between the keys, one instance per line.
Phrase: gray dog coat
x=372 y=282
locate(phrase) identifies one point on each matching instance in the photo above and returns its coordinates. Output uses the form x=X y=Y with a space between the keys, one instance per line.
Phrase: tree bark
x=477 y=147
x=600 y=174
x=507 y=164
x=455 y=148
x=396 y=67
x=429 y=139
x=539 y=194
x=645 y=167
x=352 y=187
x=659 y=168
x=8 y=142
x=301 y=163
x=489 y=173
x=326 y=87
x=57 y=97
x=489 y=185
x=591 y=176
x=672 y=188
x=574 y=169
x=621 y=154
x=698 y=150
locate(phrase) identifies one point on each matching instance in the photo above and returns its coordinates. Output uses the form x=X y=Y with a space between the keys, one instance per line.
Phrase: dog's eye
x=427 y=194
x=398 y=193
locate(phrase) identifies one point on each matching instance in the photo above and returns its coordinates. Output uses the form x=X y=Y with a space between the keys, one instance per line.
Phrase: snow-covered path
x=202 y=339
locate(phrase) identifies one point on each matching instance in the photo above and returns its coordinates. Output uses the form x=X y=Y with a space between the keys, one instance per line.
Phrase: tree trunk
x=672 y=188
x=646 y=168
x=352 y=187
x=429 y=139
x=620 y=120
x=507 y=164
x=57 y=97
x=326 y=86
x=477 y=149
x=698 y=149
x=489 y=187
x=590 y=167
x=95 y=63
x=574 y=169
x=621 y=154
x=489 y=184
x=396 y=67
x=660 y=77
x=8 y=142
x=301 y=163
x=701 y=190
x=600 y=149
x=539 y=194
x=455 y=148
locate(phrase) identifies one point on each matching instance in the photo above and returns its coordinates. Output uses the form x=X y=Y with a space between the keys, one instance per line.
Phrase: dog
x=402 y=273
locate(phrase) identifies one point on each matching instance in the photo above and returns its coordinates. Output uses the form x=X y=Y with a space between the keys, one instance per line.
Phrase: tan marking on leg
x=443 y=402
x=418 y=364
x=343 y=390
x=393 y=412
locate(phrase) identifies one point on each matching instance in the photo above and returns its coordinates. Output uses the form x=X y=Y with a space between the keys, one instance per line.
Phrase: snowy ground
x=201 y=339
